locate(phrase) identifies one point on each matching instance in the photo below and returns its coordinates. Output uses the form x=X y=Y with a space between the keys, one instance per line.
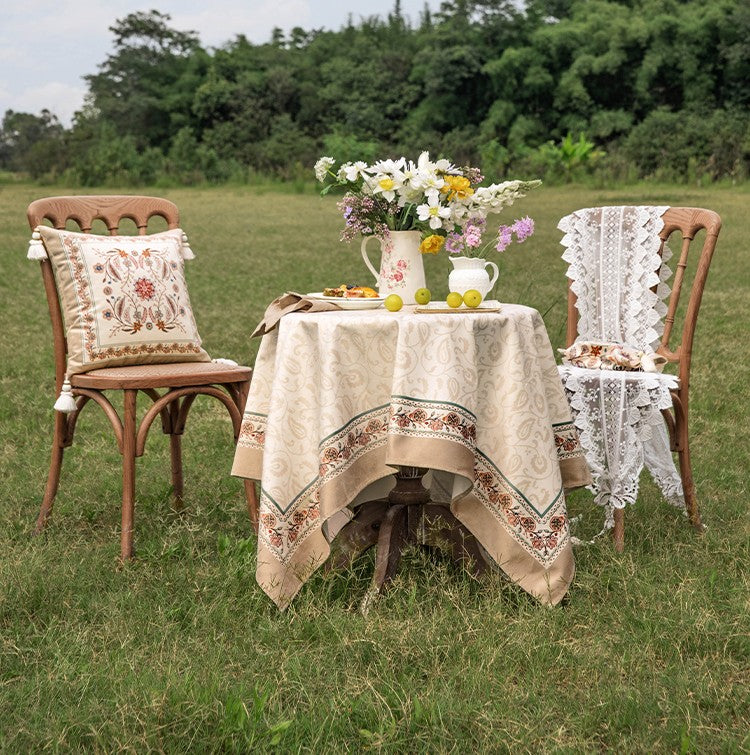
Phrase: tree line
x=555 y=88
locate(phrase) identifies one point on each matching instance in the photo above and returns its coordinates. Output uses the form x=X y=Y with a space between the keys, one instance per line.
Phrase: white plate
x=352 y=303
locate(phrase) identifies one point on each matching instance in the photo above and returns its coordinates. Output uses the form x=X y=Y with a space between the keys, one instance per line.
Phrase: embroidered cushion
x=123 y=298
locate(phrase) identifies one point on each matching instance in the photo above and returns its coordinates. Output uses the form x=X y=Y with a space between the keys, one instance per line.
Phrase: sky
x=47 y=46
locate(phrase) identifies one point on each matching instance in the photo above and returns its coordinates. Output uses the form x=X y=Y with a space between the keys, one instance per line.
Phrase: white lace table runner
x=621 y=282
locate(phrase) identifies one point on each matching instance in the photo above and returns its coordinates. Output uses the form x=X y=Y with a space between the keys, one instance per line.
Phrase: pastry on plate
x=351 y=292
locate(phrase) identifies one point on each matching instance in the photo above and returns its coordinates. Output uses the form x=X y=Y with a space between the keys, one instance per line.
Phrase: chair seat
x=175 y=375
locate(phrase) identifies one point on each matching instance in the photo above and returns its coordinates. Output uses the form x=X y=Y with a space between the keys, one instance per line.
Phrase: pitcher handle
x=496 y=272
x=367 y=259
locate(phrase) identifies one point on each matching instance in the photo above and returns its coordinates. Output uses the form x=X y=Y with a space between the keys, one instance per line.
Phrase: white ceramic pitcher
x=471 y=273
x=401 y=267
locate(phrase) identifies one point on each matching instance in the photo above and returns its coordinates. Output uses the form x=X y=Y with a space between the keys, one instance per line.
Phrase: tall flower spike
x=36 y=248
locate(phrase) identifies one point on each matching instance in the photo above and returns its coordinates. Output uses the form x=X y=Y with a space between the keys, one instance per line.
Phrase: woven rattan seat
x=175 y=375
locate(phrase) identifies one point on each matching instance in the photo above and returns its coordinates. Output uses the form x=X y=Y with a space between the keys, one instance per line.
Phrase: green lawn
x=180 y=651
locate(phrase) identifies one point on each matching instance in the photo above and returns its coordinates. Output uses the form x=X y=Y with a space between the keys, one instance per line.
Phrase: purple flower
x=523 y=228
x=474 y=175
x=504 y=237
x=454 y=243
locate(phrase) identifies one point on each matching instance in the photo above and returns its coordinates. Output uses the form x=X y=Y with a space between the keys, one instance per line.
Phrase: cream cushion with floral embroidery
x=123 y=298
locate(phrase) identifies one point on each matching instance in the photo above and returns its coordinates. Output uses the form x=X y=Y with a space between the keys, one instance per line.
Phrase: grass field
x=180 y=651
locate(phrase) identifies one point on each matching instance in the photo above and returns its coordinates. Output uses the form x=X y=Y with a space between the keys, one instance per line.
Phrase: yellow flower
x=457 y=187
x=432 y=244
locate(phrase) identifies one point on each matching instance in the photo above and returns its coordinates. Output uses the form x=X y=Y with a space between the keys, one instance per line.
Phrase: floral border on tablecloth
x=567 y=442
x=541 y=534
x=283 y=530
x=253 y=431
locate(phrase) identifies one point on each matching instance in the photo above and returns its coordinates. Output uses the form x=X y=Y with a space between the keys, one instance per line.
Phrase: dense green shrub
x=117 y=161
x=691 y=145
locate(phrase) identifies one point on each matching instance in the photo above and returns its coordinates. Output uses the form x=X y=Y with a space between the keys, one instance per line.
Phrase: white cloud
x=255 y=20
x=59 y=98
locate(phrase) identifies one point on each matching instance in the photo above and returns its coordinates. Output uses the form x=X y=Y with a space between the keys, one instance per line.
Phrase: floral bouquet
x=445 y=203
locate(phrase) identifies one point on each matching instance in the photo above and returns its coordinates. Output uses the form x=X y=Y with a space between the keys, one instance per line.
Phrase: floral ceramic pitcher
x=401 y=268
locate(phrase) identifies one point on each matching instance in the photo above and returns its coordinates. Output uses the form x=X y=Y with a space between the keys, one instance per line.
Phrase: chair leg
x=618 y=532
x=128 y=474
x=175 y=451
x=688 y=486
x=252 y=503
x=53 y=476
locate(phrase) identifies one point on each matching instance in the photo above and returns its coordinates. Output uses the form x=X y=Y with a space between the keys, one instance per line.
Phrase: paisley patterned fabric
x=123 y=299
x=340 y=399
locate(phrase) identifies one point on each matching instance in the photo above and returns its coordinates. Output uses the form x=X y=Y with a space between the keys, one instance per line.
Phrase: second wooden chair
x=621 y=293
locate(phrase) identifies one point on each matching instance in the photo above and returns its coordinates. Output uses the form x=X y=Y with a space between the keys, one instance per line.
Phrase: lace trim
x=619 y=420
x=614 y=262
x=621 y=284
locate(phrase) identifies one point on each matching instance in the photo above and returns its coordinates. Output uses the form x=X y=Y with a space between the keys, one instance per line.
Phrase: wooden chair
x=676 y=342
x=181 y=382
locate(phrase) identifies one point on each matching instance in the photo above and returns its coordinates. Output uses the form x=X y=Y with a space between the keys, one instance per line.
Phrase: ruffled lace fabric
x=620 y=281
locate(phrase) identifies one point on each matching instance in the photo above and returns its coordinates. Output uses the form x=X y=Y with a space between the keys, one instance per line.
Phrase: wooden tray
x=441 y=308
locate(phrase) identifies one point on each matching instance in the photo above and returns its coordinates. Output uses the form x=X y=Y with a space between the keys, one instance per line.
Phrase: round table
x=340 y=401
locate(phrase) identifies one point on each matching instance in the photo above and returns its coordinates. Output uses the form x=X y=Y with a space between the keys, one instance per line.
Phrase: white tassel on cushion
x=230 y=362
x=65 y=401
x=36 y=248
x=187 y=252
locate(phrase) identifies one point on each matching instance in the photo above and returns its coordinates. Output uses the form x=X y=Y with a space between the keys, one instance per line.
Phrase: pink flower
x=473 y=236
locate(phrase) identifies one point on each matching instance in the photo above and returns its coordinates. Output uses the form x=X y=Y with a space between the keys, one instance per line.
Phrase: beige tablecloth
x=338 y=399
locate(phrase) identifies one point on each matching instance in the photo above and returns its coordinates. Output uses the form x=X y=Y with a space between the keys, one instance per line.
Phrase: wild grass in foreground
x=180 y=651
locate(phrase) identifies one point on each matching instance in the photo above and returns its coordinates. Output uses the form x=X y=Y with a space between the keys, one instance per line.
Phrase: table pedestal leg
x=410 y=518
x=394 y=534
x=442 y=530
x=357 y=536
x=400 y=524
